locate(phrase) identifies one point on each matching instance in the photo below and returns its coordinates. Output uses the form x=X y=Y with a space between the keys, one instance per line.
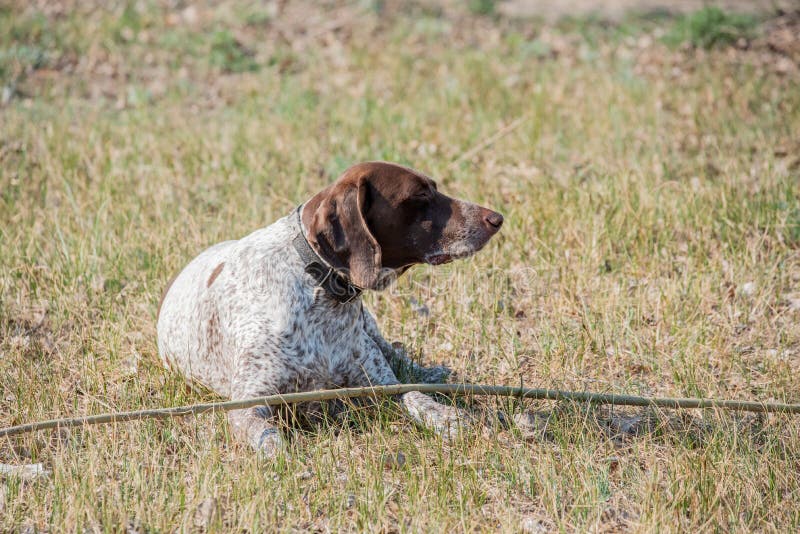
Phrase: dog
x=279 y=310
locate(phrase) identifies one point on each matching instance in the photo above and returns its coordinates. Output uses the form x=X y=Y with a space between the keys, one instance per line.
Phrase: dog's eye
x=423 y=195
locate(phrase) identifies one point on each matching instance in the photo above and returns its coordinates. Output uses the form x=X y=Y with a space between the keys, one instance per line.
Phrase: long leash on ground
x=399 y=389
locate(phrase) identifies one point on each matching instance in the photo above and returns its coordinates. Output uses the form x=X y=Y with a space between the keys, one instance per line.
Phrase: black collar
x=336 y=284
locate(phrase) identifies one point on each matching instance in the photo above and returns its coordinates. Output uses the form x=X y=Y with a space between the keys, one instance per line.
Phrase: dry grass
x=651 y=246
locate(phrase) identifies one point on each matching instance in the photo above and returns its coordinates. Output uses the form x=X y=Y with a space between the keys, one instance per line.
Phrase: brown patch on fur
x=164 y=294
x=215 y=274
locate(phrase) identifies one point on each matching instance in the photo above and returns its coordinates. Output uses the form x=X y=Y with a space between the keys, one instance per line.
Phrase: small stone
x=533 y=525
x=25 y=471
x=134 y=527
x=127 y=33
x=190 y=15
x=530 y=424
x=304 y=475
x=6 y=95
x=204 y=513
x=784 y=65
x=394 y=461
x=748 y=289
x=793 y=300
x=130 y=366
x=419 y=308
x=98 y=283
x=613 y=463
x=19 y=342
x=631 y=425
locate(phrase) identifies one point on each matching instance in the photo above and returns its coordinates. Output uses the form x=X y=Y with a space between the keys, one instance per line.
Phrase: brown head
x=379 y=219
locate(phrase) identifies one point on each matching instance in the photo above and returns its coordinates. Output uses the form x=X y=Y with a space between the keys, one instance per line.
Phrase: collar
x=336 y=284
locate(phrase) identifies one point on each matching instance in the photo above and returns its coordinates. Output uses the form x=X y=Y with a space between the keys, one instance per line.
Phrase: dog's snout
x=493 y=219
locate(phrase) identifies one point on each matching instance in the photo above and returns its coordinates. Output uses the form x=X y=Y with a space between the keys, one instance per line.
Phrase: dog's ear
x=339 y=229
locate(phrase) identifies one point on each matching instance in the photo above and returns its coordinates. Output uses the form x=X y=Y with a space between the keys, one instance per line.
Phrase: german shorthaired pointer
x=278 y=311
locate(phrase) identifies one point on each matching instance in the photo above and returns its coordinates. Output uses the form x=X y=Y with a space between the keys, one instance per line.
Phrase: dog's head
x=379 y=219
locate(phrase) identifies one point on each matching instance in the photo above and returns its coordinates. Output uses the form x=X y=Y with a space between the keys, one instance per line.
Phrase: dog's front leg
x=254 y=426
x=403 y=366
x=374 y=370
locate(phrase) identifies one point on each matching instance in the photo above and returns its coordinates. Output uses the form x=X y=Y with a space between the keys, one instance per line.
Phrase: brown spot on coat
x=215 y=274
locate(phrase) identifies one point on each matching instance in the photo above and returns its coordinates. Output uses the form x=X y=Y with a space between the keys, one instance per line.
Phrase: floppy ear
x=341 y=232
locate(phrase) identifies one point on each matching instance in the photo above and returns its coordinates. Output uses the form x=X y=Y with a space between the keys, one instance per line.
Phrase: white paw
x=447 y=421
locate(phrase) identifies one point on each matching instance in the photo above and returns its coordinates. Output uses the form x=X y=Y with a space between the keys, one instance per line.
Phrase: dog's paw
x=448 y=422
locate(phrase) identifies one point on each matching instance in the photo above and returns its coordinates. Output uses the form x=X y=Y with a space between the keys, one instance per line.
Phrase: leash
x=399 y=389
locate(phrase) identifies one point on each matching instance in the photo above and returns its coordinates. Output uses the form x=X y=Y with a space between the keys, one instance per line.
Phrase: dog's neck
x=334 y=282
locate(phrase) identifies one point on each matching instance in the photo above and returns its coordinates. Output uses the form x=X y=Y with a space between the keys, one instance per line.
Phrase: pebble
x=394 y=461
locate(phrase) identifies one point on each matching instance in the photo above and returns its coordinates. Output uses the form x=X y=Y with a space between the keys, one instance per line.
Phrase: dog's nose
x=494 y=219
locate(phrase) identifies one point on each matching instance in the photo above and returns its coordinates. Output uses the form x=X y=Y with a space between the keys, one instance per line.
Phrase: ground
x=648 y=166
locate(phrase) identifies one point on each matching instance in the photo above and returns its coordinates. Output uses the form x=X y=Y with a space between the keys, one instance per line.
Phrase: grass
x=711 y=26
x=650 y=246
